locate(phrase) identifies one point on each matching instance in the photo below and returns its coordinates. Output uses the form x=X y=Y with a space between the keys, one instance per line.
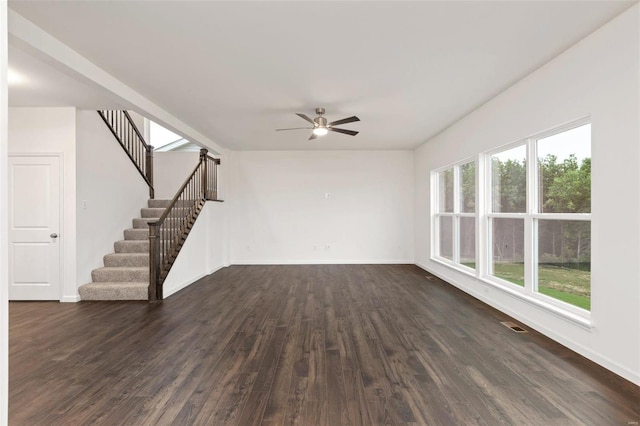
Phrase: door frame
x=63 y=231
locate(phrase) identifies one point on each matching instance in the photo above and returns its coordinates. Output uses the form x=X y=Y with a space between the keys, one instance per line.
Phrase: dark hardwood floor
x=308 y=345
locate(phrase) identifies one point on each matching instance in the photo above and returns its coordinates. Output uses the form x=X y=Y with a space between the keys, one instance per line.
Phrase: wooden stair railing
x=131 y=140
x=169 y=232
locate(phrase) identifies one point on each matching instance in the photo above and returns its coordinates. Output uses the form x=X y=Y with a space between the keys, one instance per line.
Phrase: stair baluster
x=168 y=233
x=127 y=134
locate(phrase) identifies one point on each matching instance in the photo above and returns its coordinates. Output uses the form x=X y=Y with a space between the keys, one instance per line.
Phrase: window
x=539 y=215
x=508 y=203
x=535 y=213
x=562 y=222
x=455 y=219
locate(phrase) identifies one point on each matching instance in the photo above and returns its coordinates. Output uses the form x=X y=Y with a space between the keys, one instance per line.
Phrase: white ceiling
x=42 y=85
x=236 y=71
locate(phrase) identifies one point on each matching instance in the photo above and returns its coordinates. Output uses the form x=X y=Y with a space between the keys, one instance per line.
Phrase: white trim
x=633 y=376
x=507 y=215
x=530 y=217
x=455 y=215
x=505 y=147
x=4 y=230
x=456 y=164
x=70 y=299
x=183 y=285
x=562 y=216
x=325 y=262
x=482 y=250
x=569 y=125
x=583 y=320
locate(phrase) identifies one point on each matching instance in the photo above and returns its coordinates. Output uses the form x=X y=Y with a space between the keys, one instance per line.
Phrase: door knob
x=54 y=235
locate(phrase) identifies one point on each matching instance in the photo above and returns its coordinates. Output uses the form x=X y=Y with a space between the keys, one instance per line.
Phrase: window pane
x=564 y=261
x=468 y=188
x=509 y=180
x=446 y=236
x=468 y=241
x=508 y=249
x=445 y=191
x=564 y=165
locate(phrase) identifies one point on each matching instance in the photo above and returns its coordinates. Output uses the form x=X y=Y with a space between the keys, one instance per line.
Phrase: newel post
x=149 y=170
x=155 y=290
x=216 y=163
x=203 y=165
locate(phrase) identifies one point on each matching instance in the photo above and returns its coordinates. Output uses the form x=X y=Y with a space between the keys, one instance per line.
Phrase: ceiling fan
x=321 y=127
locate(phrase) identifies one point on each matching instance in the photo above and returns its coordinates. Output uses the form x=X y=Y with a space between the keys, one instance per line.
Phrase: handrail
x=168 y=233
x=131 y=140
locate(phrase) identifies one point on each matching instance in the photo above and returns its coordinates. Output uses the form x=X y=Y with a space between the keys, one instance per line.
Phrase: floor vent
x=514 y=327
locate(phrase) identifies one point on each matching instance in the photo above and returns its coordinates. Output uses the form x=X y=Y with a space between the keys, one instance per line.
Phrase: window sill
x=584 y=321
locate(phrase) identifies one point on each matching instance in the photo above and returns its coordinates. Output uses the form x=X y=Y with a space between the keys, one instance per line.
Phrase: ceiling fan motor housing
x=320 y=121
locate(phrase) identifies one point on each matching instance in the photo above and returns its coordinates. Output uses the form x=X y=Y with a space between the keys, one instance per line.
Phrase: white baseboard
x=324 y=262
x=186 y=283
x=70 y=299
x=182 y=285
x=628 y=374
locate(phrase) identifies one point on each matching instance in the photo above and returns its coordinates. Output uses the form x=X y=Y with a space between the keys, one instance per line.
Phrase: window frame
x=531 y=218
x=456 y=214
x=483 y=216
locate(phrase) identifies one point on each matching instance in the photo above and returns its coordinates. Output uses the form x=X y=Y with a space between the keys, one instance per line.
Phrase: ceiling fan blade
x=295 y=128
x=344 y=121
x=313 y=136
x=346 y=132
x=304 y=117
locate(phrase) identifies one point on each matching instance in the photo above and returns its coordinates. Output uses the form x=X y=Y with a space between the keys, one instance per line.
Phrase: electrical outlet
x=84 y=204
x=327 y=195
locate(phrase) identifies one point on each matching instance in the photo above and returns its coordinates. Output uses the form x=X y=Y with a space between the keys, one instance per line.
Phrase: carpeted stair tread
x=151 y=212
x=142 y=222
x=120 y=274
x=127 y=260
x=136 y=234
x=159 y=203
x=131 y=246
x=114 y=291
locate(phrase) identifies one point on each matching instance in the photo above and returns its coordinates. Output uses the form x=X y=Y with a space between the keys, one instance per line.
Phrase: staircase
x=141 y=262
x=125 y=275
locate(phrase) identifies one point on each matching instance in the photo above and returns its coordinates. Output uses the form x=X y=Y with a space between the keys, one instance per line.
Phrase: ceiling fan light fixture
x=320 y=131
x=321 y=127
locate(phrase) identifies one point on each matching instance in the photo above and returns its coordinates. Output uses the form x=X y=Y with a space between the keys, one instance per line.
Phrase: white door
x=34 y=227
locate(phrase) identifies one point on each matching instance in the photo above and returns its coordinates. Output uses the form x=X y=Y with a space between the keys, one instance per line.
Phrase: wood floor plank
x=305 y=345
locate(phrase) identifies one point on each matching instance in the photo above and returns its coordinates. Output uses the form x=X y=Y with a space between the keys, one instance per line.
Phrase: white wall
x=46 y=131
x=204 y=251
x=171 y=170
x=279 y=213
x=110 y=193
x=598 y=77
x=4 y=240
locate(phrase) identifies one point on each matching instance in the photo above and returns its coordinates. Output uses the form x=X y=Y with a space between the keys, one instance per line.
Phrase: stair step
x=150 y=212
x=159 y=203
x=127 y=260
x=131 y=246
x=115 y=291
x=136 y=234
x=120 y=274
x=142 y=222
